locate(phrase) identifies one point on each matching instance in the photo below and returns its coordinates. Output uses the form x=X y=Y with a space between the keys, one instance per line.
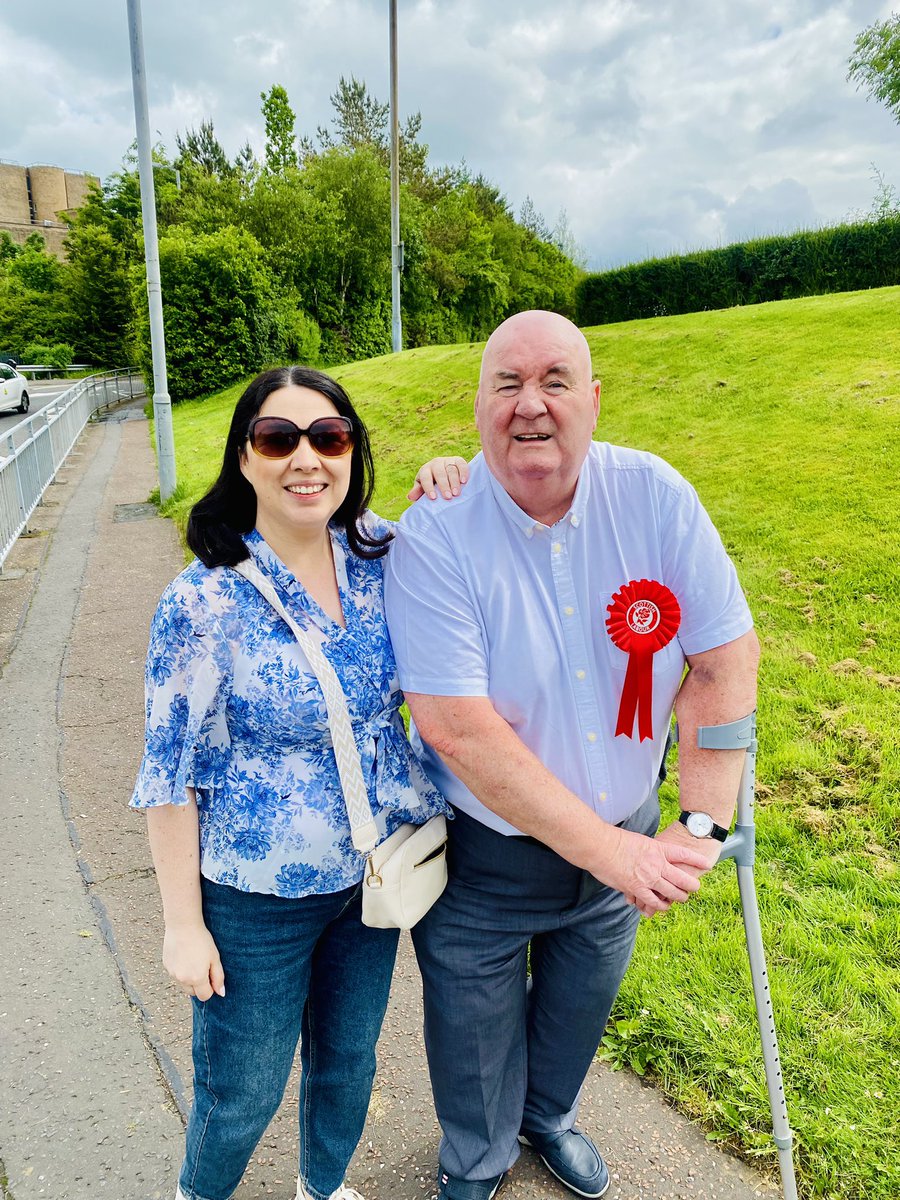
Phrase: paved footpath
x=94 y=1039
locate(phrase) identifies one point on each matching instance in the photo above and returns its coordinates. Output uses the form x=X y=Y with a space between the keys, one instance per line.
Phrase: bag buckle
x=373 y=879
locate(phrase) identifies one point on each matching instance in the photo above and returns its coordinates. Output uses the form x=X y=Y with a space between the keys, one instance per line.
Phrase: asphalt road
x=41 y=392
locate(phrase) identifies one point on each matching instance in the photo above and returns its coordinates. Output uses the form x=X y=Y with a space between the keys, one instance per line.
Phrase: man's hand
x=655 y=873
x=676 y=835
x=482 y=749
x=192 y=959
x=449 y=474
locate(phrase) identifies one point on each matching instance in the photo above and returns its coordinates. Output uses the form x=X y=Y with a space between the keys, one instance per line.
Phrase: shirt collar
x=269 y=562
x=527 y=524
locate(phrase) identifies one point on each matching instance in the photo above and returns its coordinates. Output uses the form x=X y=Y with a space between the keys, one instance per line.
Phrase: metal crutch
x=741 y=846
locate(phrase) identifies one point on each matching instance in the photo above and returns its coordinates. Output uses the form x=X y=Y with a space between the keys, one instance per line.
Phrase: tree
x=412 y=153
x=563 y=237
x=96 y=286
x=489 y=200
x=268 y=262
x=345 y=263
x=875 y=63
x=533 y=221
x=224 y=317
x=245 y=163
x=35 y=267
x=118 y=204
x=8 y=248
x=469 y=285
x=281 y=140
x=326 y=232
x=361 y=121
x=103 y=243
x=32 y=303
x=202 y=149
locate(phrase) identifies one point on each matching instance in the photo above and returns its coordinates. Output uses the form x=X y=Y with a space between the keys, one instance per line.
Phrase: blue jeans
x=507 y=1052
x=307 y=969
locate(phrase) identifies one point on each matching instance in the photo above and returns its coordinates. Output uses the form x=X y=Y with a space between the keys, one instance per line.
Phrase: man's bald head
x=538 y=326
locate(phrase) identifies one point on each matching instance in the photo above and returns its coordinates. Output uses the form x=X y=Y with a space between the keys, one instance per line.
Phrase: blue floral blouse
x=234 y=711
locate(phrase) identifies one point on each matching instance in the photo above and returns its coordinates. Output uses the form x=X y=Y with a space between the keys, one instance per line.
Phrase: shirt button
x=575 y=522
x=603 y=795
x=557 y=547
x=579 y=674
x=569 y=610
x=592 y=737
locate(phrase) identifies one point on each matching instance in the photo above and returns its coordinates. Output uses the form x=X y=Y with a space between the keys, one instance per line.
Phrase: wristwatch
x=701 y=825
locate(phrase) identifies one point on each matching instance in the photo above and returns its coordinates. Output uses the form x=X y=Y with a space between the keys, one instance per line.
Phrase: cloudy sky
x=657 y=126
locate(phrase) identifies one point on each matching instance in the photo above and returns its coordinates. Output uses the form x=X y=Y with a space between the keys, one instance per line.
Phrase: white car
x=12 y=389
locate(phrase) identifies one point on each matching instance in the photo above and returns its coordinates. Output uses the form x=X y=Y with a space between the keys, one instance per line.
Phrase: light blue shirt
x=235 y=711
x=484 y=601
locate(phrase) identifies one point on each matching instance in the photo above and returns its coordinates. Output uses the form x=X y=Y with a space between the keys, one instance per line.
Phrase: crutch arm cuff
x=734 y=735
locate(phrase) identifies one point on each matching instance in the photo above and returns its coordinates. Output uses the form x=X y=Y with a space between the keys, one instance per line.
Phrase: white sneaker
x=342 y=1193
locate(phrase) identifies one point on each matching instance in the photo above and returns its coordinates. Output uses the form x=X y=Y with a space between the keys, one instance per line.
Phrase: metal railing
x=33 y=450
x=32 y=370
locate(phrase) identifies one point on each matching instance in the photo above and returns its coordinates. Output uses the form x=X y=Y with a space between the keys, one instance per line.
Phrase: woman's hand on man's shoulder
x=447 y=474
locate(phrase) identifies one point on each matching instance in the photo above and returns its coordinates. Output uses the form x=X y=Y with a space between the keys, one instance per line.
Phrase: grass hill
x=786 y=417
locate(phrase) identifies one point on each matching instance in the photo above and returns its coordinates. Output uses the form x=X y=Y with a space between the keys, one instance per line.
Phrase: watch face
x=700 y=824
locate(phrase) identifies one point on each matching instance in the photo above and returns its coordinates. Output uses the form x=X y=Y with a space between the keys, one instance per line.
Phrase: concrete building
x=32 y=200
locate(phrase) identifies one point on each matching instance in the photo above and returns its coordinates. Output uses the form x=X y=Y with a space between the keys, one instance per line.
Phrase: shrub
x=301 y=339
x=40 y=354
x=223 y=321
x=37 y=353
x=61 y=355
x=844 y=258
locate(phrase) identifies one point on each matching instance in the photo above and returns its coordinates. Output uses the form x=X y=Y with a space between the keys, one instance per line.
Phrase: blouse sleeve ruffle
x=188 y=663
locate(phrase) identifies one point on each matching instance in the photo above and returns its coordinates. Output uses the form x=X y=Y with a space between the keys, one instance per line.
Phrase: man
x=541 y=624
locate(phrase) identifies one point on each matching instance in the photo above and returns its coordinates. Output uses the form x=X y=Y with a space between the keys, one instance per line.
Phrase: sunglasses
x=277 y=437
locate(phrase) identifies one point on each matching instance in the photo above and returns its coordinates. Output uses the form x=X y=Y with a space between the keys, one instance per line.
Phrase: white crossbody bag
x=406 y=872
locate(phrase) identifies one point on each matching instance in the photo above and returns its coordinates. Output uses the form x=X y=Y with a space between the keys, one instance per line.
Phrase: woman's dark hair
x=228 y=509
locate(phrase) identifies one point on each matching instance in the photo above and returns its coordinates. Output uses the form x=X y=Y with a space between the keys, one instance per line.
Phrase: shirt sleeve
x=435 y=630
x=700 y=573
x=184 y=679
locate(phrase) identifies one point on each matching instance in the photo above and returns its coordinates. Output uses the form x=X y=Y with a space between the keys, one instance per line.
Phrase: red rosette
x=644 y=616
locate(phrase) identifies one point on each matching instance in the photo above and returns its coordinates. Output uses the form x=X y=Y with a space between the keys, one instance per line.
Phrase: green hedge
x=846 y=258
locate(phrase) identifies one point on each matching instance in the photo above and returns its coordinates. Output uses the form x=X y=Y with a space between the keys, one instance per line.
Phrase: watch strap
x=719 y=832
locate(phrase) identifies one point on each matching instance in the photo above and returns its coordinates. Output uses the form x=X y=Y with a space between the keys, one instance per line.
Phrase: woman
x=247 y=824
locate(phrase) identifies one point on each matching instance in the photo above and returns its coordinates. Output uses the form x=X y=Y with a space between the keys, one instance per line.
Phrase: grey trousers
x=507 y=1052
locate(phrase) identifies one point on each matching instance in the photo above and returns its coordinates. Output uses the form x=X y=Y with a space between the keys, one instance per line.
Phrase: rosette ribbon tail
x=637 y=696
x=643 y=618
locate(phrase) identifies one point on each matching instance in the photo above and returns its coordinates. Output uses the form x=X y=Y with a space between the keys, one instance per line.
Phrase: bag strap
x=363 y=829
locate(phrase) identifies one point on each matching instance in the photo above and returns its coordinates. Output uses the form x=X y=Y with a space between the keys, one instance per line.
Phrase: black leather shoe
x=451 y=1188
x=573 y=1158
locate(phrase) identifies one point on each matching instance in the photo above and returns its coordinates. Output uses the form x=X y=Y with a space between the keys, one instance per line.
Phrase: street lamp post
x=162 y=405
x=396 y=244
